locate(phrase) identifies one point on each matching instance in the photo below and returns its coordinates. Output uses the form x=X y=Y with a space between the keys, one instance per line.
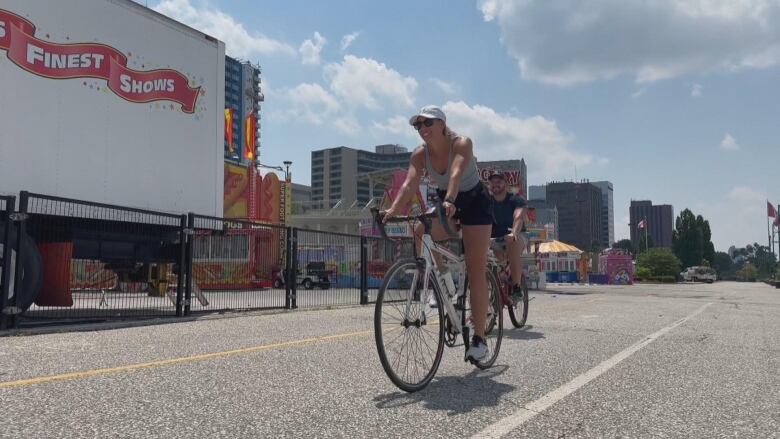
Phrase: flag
x=642 y=224
x=770 y=210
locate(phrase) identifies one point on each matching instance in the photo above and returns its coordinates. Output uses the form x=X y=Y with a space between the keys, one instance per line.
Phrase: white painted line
x=509 y=423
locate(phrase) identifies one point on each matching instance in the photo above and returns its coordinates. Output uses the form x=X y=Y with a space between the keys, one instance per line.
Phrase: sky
x=675 y=101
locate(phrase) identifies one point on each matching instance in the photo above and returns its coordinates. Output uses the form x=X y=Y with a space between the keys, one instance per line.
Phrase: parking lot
x=680 y=360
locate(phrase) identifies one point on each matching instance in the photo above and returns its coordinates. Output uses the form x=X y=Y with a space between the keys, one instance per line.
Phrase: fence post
x=21 y=231
x=287 y=268
x=293 y=275
x=5 y=282
x=188 y=262
x=182 y=266
x=363 y=270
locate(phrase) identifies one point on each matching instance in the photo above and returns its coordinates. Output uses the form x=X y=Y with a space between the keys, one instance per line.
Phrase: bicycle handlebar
x=437 y=211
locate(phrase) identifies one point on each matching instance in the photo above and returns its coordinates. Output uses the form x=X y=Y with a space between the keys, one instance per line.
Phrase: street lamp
x=287 y=164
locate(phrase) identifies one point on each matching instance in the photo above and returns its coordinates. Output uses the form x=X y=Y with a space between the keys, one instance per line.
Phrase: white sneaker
x=478 y=351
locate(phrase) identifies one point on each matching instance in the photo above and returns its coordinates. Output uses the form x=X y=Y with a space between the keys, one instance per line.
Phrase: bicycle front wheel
x=494 y=324
x=408 y=326
x=518 y=311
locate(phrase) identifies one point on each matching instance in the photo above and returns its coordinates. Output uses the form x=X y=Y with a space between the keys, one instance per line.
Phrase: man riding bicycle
x=509 y=237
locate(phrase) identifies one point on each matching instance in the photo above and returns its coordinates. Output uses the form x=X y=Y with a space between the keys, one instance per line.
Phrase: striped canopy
x=557 y=247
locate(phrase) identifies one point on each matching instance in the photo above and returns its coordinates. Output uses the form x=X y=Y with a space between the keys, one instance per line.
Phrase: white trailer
x=111 y=102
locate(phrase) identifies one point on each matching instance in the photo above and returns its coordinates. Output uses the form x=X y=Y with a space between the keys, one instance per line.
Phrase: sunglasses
x=427 y=122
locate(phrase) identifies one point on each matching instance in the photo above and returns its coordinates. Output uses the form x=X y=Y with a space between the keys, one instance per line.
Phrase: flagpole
x=647 y=247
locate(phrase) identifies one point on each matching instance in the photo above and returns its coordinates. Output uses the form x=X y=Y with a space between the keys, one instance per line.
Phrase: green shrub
x=642 y=273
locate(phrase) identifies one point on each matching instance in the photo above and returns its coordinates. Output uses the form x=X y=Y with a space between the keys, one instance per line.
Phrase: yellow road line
x=173 y=361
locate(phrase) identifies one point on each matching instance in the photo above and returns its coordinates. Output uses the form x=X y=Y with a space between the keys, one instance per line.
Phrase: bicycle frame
x=429 y=247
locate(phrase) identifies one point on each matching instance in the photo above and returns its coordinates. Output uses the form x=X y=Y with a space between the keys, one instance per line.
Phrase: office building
x=243 y=96
x=659 y=220
x=607 y=213
x=300 y=198
x=336 y=173
x=537 y=192
x=579 y=213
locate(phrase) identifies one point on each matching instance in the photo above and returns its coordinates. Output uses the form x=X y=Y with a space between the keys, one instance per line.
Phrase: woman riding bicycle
x=449 y=162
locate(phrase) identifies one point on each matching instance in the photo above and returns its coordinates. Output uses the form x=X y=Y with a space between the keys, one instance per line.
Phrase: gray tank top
x=468 y=180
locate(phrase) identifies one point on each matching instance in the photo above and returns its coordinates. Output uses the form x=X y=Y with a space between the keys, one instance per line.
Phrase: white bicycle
x=416 y=315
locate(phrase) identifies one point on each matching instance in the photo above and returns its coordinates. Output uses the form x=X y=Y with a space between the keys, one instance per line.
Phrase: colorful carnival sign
x=91 y=60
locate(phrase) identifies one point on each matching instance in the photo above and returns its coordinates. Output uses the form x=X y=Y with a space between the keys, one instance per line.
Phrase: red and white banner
x=91 y=60
x=770 y=210
x=642 y=224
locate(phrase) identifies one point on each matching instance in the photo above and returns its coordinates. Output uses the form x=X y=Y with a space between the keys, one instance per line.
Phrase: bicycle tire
x=520 y=308
x=402 y=380
x=494 y=330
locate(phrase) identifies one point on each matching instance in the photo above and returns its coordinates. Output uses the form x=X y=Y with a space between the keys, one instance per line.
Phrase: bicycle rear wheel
x=494 y=325
x=409 y=331
x=518 y=311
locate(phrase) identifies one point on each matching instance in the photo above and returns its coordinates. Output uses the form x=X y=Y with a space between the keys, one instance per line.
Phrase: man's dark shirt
x=504 y=213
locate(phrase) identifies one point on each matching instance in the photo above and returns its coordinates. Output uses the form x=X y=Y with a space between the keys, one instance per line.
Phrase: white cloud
x=397 y=126
x=364 y=82
x=729 y=143
x=747 y=195
x=639 y=93
x=445 y=86
x=348 y=39
x=310 y=49
x=499 y=136
x=567 y=42
x=696 y=90
x=310 y=102
x=238 y=41
x=347 y=124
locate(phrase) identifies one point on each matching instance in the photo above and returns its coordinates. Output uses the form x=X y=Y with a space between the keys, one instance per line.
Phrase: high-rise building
x=659 y=221
x=335 y=173
x=579 y=212
x=537 y=192
x=301 y=198
x=607 y=213
x=243 y=96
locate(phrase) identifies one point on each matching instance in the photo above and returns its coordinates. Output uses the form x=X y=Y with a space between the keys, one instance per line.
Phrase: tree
x=660 y=262
x=644 y=246
x=748 y=273
x=723 y=265
x=692 y=239
x=626 y=245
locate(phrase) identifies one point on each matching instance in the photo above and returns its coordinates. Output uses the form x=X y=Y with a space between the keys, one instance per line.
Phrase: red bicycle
x=518 y=310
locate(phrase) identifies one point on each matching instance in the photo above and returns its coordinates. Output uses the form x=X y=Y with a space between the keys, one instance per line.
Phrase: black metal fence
x=7 y=206
x=235 y=265
x=83 y=261
x=86 y=261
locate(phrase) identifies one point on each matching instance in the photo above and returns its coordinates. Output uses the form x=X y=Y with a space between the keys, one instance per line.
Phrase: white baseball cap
x=429 y=112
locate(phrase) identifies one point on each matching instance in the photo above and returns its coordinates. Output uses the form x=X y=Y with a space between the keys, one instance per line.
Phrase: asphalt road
x=689 y=360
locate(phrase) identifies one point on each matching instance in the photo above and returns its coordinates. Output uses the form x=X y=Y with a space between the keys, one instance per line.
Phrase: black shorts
x=474 y=207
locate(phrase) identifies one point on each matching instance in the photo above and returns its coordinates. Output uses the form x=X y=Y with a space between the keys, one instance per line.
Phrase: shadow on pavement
x=454 y=394
x=524 y=333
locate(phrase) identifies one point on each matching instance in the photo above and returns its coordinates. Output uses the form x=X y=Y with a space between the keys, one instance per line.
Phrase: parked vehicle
x=699 y=274
x=314 y=275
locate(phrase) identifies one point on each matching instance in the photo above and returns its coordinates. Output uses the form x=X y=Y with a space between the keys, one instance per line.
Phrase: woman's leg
x=476 y=240
x=437 y=234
